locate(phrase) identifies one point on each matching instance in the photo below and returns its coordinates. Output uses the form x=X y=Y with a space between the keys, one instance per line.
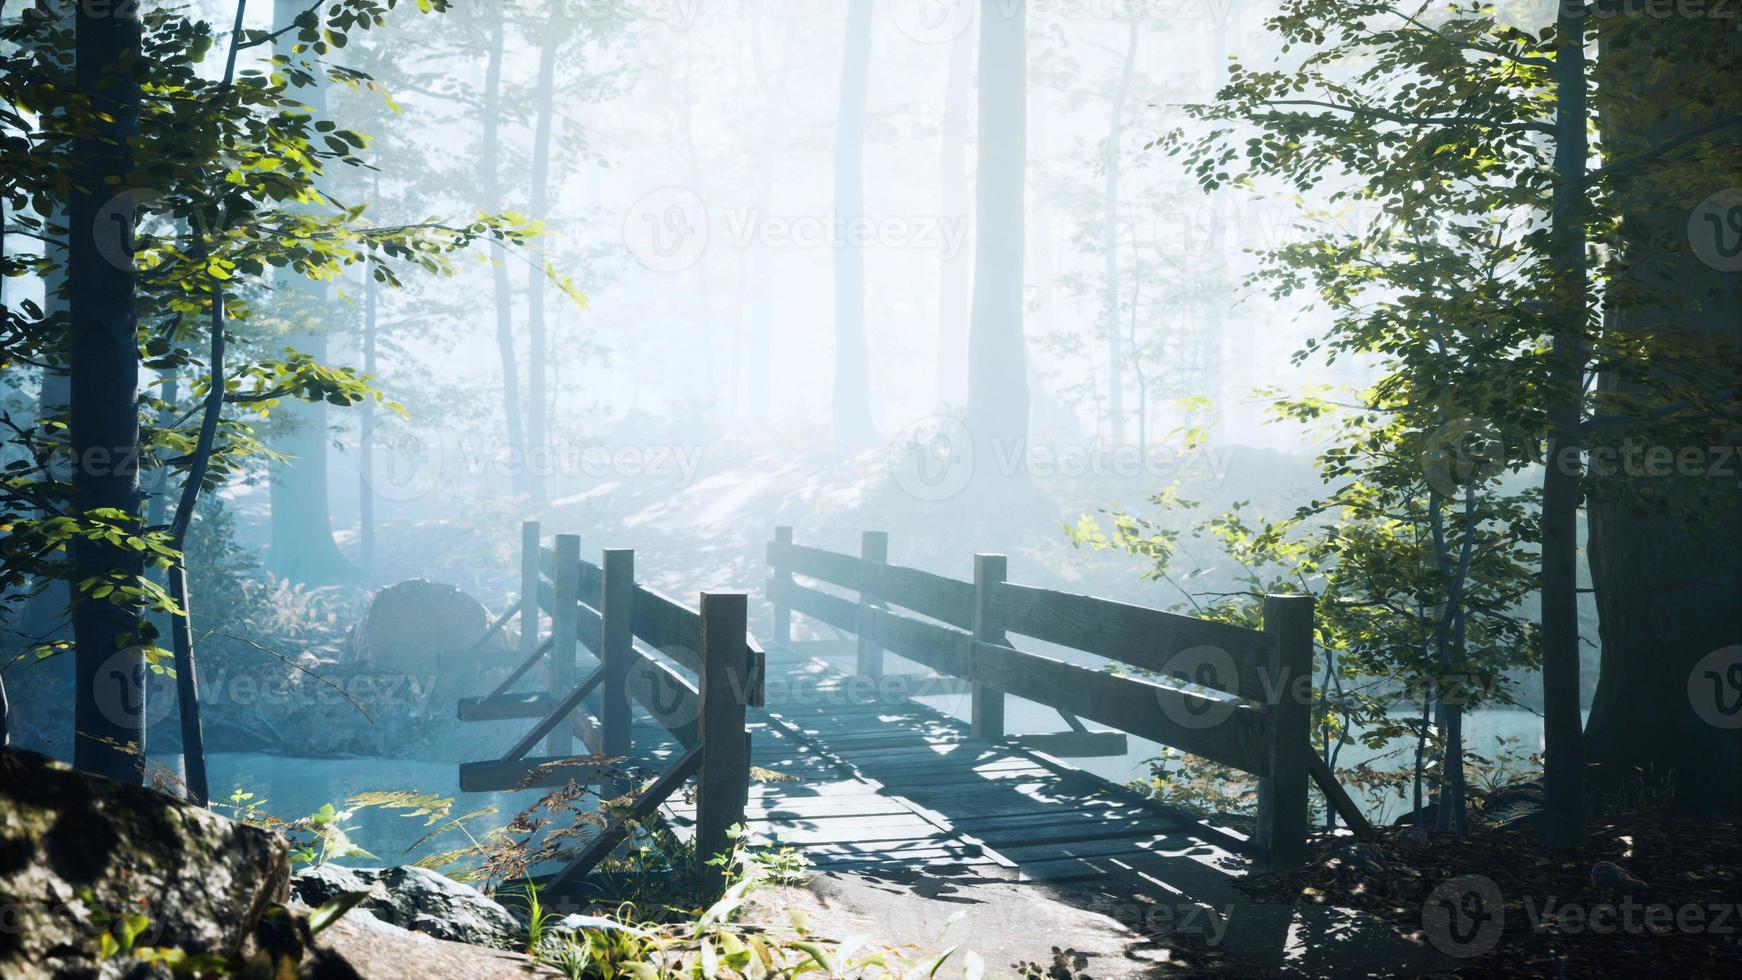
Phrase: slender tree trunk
x=1110 y=240
x=997 y=359
x=45 y=614
x=852 y=388
x=1563 y=754
x=302 y=548
x=108 y=715
x=759 y=340
x=366 y=423
x=537 y=366
x=955 y=272
x=491 y=147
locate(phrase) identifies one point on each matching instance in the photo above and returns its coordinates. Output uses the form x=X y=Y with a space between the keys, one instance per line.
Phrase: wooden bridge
x=815 y=745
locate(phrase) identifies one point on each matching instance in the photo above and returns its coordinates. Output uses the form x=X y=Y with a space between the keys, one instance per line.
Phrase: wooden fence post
x=528 y=589
x=778 y=576
x=617 y=631
x=565 y=635
x=723 y=788
x=1282 y=790
x=873 y=547
x=990 y=571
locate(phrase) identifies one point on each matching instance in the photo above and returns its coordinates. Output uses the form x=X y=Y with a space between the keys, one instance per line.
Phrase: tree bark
x=302 y=548
x=108 y=715
x=997 y=359
x=955 y=272
x=1110 y=240
x=1666 y=547
x=491 y=154
x=1563 y=755
x=852 y=383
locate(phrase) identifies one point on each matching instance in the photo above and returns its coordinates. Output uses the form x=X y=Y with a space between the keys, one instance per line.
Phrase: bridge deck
x=900 y=784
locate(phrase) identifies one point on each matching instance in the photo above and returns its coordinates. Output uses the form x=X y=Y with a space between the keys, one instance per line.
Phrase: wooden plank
x=582 y=723
x=941 y=648
x=565 y=632
x=617 y=651
x=1230 y=732
x=777 y=574
x=500 y=707
x=1078 y=745
x=723 y=783
x=495 y=627
x=673 y=701
x=615 y=832
x=667 y=625
x=826 y=566
x=505 y=775
x=833 y=610
x=1227 y=658
x=945 y=599
x=529 y=594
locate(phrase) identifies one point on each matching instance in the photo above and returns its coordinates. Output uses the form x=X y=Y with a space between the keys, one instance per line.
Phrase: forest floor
x=1650 y=895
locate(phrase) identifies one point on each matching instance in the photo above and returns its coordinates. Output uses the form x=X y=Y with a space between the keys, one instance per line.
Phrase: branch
x=1661 y=149
x=1398 y=117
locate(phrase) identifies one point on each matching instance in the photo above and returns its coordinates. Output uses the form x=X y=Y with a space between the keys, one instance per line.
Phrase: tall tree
x=997 y=358
x=955 y=273
x=852 y=382
x=1665 y=549
x=773 y=86
x=109 y=729
x=301 y=542
x=491 y=163
x=1110 y=320
x=536 y=461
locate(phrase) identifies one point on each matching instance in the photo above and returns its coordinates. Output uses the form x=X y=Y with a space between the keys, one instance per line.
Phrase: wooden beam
x=617 y=633
x=617 y=830
x=723 y=787
x=673 y=701
x=1077 y=745
x=555 y=716
x=667 y=625
x=531 y=660
x=1282 y=782
x=1217 y=655
x=831 y=609
x=507 y=775
x=990 y=571
x=565 y=630
x=779 y=575
x=873 y=549
x=501 y=707
x=529 y=583
x=1336 y=795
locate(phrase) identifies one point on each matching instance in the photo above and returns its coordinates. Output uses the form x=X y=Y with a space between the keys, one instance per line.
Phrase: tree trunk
x=1666 y=546
x=108 y=709
x=997 y=372
x=366 y=422
x=1563 y=755
x=758 y=342
x=537 y=459
x=302 y=546
x=954 y=274
x=1110 y=242
x=852 y=389
x=491 y=153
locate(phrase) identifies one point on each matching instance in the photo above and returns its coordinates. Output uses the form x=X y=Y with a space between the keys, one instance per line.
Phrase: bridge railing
x=622 y=624
x=1235 y=696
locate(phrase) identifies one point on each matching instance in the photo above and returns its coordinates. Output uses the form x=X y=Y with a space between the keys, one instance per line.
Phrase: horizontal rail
x=668 y=626
x=1138 y=636
x=936 y=596
x=673 y=701
x=591 y=581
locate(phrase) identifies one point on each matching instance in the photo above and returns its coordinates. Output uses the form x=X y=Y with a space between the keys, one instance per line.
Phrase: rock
x=588 y=923
x=356 y=946
x=418 y=633
x=1611 y=877
x=79 y=851
x=414 y=898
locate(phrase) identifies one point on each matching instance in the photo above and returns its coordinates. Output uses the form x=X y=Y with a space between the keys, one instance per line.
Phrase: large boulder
x=80 y=852
x=416 y=899
x=423 y=631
